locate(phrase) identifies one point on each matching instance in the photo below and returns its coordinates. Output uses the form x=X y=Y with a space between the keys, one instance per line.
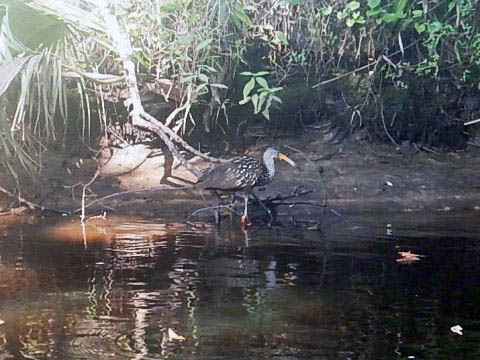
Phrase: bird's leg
x=232 y=202
x=232 y=199
x=216 y=213
x=264 y=207
x=244 y=218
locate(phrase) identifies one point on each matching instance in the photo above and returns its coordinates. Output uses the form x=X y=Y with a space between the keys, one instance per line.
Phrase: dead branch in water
x=229 y=207
x=84 y=190
x=296 y=192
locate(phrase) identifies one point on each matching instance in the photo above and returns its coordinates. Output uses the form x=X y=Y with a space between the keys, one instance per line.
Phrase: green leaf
x=350 y=22
x=419 y=27
x=247 y=89
x=241 y=18
x=275 y=89
x=262 y=82
x=201 y=89
x=244 y=100
x=353 y=5
x=255 y=103
x=417 y=13
x=266 y=113
x=373 y=3
x=263 y=96
x=293 y=2
x=203 y=45
x=261 y=73
x=170 y=7
x=276 y=98
x=281 y=37
x=208 y=68
x=326 y=10
x=435 y=26
x=221 y=86
x=390 y=17
x=185 y=40
x=203 y=77
x=373 y=12
x=247 y=73
x=186 y=79
x=399 y=6
x=451 y=5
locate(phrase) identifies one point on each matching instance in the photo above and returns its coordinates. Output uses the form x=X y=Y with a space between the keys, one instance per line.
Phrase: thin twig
x=84 y=189
x=471 y=122
x=385 y=126
x=429 y=150
x=363 y=67
x=334 y=212
x=295 y=193
x=229 y=207
x=312 y=203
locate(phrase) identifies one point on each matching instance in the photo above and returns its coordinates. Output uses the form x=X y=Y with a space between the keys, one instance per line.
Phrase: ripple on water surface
x=132 y=289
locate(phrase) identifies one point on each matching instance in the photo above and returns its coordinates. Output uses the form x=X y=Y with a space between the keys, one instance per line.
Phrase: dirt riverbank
x=350 y=177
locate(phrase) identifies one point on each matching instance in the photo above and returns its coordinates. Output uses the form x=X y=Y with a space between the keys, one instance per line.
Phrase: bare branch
x=141 y=118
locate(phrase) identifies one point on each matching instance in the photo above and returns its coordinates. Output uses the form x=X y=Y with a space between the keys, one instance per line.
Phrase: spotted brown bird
x=241 y=174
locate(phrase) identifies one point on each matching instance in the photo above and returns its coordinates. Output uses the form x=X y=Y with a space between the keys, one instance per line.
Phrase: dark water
x=123 y=288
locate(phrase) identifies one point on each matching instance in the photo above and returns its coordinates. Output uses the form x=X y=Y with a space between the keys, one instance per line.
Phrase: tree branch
x=139 y=117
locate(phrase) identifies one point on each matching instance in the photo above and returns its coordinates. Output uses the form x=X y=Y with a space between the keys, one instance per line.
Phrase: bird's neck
x=270 y=165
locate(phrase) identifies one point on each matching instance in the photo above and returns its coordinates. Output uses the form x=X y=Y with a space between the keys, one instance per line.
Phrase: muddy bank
x=350 y=177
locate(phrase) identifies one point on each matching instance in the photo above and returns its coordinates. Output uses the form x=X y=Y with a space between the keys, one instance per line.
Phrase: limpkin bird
x=241 y=174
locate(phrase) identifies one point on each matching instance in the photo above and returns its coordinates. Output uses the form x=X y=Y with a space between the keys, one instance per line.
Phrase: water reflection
x=130 y=289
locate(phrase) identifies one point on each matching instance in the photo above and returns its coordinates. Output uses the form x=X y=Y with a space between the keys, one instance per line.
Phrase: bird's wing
x=220 y=177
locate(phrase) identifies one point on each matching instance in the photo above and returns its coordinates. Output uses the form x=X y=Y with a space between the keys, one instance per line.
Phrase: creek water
x=128 y=288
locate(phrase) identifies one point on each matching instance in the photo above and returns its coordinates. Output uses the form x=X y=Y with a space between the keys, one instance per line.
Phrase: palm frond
x=70 y=14
x=10 y=70
x=8 y=42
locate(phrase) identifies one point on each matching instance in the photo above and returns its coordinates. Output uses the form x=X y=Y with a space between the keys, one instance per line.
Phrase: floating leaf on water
x=408 y=257
x=173 y=336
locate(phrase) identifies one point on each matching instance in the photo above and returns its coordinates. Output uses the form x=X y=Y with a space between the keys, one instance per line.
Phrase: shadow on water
x=132 y=289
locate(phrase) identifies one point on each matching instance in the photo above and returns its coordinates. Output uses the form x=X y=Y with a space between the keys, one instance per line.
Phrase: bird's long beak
x=285 y=158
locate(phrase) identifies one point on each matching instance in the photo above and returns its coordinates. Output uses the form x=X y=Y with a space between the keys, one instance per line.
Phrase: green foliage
x=257 y=91
x=199 y=46
x=31 y=88
x=351 y=14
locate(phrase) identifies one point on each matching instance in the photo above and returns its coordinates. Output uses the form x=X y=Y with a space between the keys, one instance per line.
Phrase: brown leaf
x=408 y=257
